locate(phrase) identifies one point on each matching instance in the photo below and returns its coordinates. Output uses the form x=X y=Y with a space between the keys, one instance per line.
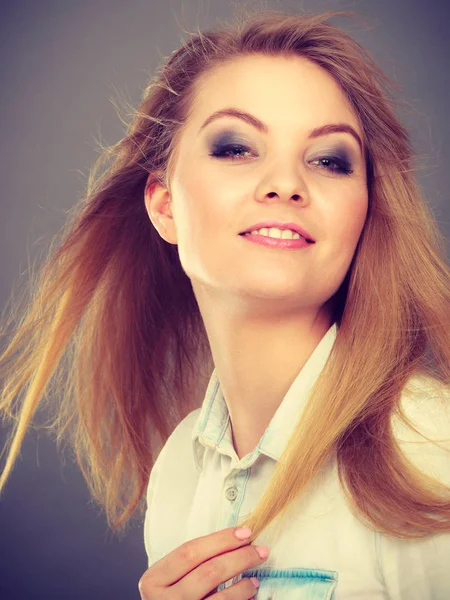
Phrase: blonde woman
x=245 y=324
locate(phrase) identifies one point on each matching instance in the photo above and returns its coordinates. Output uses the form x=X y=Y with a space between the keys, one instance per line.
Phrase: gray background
x=61 y=64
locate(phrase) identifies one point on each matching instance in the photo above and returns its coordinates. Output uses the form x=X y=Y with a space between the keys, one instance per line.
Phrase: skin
x=265 y=309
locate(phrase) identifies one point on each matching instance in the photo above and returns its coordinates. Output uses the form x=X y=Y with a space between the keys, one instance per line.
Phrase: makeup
x=270 y=242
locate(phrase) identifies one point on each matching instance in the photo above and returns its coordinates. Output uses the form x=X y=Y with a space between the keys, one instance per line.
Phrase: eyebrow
x=260 y=126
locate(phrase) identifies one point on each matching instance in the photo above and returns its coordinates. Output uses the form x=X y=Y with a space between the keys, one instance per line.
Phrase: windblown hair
x=113 y=333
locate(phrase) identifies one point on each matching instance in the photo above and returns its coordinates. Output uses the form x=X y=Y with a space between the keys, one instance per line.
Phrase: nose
x=294 y=196
x=285 y=183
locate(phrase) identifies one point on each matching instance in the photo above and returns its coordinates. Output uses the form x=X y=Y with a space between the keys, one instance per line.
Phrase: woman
x=259 y=235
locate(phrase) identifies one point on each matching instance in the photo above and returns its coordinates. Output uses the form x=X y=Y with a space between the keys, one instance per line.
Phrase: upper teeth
x=276 y=233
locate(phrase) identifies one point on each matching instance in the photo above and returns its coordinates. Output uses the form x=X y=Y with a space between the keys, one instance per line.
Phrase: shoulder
x=425 y=402
x=178 y=444
x=425 y=436
x=183 y=431
x=414 y=569
x=173 y=469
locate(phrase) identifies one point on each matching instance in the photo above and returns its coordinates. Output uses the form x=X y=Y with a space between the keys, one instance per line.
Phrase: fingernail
x=263 y=551
x=242 y=532
x=254 y=581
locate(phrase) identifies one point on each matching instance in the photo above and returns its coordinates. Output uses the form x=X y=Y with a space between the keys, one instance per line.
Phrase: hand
x=195 y=569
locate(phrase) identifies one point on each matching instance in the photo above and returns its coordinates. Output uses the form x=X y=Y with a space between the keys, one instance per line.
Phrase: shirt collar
x=212 y=428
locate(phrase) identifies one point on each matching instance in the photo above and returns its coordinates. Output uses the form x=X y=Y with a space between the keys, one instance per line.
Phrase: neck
x=257 y=359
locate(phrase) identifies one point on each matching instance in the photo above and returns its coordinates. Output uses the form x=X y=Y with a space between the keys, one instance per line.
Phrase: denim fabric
x=290 y=584
x=198 y=485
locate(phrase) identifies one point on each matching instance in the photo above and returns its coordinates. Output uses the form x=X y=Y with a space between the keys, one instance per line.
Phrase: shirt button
x=231 y=493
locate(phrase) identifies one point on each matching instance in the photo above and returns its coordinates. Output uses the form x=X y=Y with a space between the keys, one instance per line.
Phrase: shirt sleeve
x=419 y=569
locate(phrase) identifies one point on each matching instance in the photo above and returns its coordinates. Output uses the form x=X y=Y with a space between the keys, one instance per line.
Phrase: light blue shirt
x=198 y=485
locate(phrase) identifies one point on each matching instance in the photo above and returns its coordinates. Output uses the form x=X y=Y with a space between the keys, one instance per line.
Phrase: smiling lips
x=277 y=242
x=280 y=225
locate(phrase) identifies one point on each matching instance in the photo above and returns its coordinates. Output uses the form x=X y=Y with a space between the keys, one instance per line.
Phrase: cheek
x=202 y=211
x=334 y=262
x=207 y=206
x=350 y=215
x=191 y=200
x=346 y=226
x=352 y=233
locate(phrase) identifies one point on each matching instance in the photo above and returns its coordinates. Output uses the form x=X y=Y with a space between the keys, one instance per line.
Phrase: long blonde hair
x=112 y=332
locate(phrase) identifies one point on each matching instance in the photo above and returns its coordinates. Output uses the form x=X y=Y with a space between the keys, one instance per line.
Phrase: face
x=235 y=172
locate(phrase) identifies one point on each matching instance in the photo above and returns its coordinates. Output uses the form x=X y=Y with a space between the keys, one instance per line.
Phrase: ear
x=157 y=203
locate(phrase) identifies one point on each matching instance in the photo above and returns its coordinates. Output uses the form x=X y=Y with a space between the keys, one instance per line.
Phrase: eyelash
x=343 y=166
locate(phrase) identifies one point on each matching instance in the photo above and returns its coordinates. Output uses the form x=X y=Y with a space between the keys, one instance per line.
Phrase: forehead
x=284 y=92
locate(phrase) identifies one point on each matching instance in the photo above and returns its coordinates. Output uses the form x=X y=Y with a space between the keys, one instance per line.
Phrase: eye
x=341 y=166
x=233 y=151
